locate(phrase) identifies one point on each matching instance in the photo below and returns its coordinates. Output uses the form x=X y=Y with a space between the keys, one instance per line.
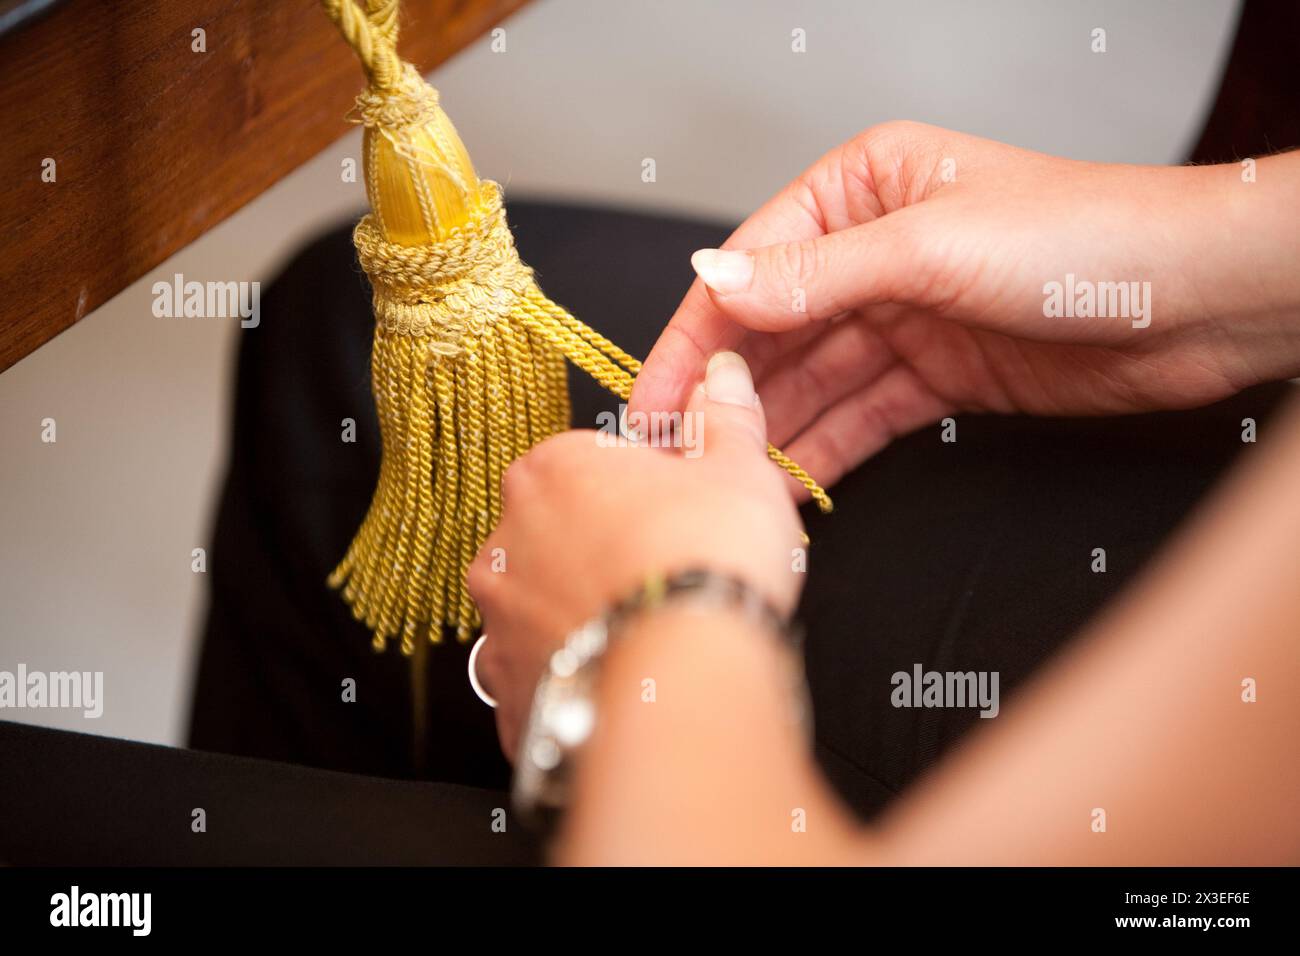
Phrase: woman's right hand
x=904 y=277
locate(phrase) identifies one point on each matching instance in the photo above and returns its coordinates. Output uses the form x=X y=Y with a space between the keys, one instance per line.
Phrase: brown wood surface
x=155 y=143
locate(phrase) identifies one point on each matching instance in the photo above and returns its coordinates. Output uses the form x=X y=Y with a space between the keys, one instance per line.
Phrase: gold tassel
x=468 y=364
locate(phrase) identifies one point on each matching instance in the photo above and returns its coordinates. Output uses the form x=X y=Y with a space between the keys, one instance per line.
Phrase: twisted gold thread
x=468 y=367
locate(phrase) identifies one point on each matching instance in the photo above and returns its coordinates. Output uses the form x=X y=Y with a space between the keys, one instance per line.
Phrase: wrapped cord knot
x=447 y=289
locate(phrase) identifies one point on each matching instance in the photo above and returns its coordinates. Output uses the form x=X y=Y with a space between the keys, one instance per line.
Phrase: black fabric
x=78 y=800
x=1257 y=109
x=973 y=555
x=978 y=556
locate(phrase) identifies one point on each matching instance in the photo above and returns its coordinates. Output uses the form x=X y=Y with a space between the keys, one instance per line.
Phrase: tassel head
x=419 y=177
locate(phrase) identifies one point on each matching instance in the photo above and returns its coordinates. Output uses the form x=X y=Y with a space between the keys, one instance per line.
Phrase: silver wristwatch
x=564 y=704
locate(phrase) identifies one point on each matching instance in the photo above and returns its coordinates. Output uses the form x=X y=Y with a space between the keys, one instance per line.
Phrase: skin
x=1142 y=718
x=629 y=487
x=925 y=298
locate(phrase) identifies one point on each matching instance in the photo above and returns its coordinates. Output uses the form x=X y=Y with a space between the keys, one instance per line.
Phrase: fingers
x=786 y=286
x=855 y=183
x=844 y=359
x=733 y=427
x=865 y=422
x=697 y=329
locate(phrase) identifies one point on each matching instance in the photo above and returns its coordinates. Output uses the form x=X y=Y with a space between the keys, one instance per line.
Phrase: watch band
x=563 y=713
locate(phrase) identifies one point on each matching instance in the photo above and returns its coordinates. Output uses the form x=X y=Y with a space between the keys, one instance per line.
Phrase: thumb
x=780 y=287
x=726 y=406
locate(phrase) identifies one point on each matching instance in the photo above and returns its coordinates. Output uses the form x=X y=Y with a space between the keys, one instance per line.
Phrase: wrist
x=1243 y=238
x=693 y=721
x=704 y=643
x=723 y=613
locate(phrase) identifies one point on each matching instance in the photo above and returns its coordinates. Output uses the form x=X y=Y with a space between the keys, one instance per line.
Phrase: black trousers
x=968 y=556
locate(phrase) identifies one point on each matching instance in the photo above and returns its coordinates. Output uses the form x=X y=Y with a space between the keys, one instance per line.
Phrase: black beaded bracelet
x=713 y=587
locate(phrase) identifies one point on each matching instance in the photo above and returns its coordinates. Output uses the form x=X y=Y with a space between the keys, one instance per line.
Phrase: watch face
x=571 y=720
x=562 y=719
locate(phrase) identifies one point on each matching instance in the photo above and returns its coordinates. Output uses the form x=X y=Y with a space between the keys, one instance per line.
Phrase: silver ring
x=473 y=675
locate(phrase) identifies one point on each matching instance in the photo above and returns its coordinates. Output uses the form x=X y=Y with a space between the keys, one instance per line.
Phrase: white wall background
x=96 y=529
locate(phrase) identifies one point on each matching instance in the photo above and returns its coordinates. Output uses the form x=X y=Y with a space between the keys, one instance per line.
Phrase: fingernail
x=724 y=271
x=727 y=380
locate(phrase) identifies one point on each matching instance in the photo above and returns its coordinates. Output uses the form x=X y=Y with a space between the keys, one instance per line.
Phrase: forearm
x=1144 y=720
x=1147 y=718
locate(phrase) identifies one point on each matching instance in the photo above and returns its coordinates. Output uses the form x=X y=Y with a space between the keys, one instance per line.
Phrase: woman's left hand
x=585 y=520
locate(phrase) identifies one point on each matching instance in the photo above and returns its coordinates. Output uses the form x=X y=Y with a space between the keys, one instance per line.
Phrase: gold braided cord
x=620 y=382
x=382 y=15
x=372 y=34
x=469 y=360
